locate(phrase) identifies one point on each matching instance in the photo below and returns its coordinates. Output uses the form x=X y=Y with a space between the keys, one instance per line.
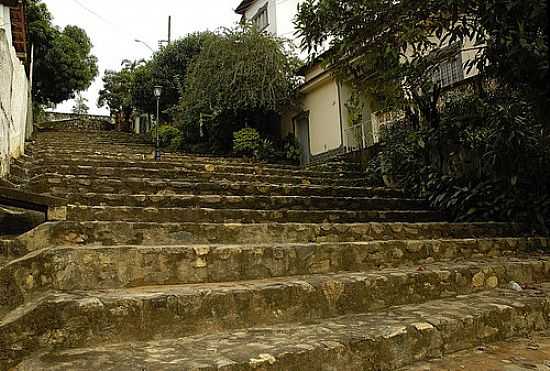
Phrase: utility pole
x=169 y=40
x=169 y=29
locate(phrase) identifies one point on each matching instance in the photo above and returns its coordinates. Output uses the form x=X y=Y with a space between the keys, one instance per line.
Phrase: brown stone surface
x=214 y=263
x=522 y=354
x=383 y=340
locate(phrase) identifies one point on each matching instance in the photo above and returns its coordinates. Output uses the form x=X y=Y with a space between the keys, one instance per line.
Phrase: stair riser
x=120 y=233
x=250 y=202
x=62 y=185
x=89 y=321
x=202 y=176
x=98 y=268
x=172 y=215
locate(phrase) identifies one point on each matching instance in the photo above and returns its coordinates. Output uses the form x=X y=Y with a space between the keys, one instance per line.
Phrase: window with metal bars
x=450 y=70
x=261 y=19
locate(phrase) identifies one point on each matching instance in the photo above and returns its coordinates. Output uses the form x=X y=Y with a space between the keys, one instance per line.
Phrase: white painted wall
x=5 y=21
x=271 y=13
x=281 y=15
x=14 y=102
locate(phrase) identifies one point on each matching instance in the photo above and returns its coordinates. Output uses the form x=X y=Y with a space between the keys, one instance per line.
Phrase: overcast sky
x=114 y=24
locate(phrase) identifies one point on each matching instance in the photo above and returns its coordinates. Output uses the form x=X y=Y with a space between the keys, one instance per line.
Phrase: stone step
x=181 y=215
x=92 y=267
x=381 y=340
x=49 y=162
x=63 y=184
x=10 y=250
x=201 y=175
x=121 y=153
x=128 y=233
x=526 y=353
x=247 y=202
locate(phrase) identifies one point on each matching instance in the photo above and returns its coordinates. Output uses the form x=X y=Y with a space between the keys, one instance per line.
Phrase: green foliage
x=80 y=106
x=169 y=136
x=246 y=141
x=369 y=41
x=117 y=90
x=487 y=160
x=169 y=66
x=291 y=149
x=241 y=76
x=63 y=63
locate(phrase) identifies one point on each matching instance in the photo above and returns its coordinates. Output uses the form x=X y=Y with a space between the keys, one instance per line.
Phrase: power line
x=103 y=19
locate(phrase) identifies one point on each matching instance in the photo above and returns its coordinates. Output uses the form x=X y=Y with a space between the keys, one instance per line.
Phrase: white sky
x=116 y=23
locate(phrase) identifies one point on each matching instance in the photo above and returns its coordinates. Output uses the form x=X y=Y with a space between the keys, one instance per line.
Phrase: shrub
x=486 y=160
x=291 y=149
x=169 y=136
x=246 y=141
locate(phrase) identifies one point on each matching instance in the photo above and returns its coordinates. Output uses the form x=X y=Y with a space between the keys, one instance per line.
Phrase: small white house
x=327 y=124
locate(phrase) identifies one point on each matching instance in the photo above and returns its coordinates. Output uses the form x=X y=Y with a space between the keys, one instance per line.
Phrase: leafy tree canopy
x=80 y=106
x=241 y=70
x=376 y=41
x=63 y=63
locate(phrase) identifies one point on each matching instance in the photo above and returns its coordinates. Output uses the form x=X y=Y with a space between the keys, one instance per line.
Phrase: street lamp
x=144 y=43
x=157 y=92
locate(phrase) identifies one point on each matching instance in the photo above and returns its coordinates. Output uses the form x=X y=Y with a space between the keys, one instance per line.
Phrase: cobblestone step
x=63 y=184
x=181 y=215
x=247 y=202
x=242 y=168
x=204 y=174
x=120 y=152
x=128 y=233
x=381 y=340
x=91 y=267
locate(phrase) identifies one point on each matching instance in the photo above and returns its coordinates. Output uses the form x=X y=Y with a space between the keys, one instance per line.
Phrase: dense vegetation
x=481 y=152
x=63 y=63
x=214 y=85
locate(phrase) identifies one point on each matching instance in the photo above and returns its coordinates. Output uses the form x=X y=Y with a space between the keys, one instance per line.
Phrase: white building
x=325 y=125
x=274 y=16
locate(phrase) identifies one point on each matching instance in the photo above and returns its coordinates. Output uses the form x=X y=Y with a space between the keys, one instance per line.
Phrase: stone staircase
x=210 y=263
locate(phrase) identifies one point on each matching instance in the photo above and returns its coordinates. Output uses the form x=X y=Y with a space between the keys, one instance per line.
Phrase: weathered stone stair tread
x=186 y=175
x=204 y=174
x=246 y=202
x=245 y=168
x=136 y=153
x=177 y=311
x=124 y=233
x=62 y=184
x=231 y=215
x=383 y=340
x=134 y=266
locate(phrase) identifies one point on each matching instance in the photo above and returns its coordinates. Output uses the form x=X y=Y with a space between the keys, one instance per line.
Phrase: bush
x=246 y=141
x=169 y=136
x=487 y=160
x=291 y=149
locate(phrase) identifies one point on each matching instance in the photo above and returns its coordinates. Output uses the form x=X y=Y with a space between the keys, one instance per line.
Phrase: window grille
x=261 y=19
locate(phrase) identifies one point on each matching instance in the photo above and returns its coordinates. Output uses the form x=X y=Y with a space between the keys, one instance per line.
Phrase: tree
x=379 y=42
x=80 y=106
x=168 y=68
x=63 y=63
x=242 y=76
x=117 y=93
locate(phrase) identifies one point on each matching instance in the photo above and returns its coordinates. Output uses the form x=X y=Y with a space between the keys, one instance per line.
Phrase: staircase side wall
x=14 y=99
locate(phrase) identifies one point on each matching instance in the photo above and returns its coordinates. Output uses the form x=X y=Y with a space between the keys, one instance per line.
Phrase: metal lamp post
x=158 y=93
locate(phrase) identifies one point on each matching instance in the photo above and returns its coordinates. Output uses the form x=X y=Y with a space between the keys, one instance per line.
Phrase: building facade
x=328 y=123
